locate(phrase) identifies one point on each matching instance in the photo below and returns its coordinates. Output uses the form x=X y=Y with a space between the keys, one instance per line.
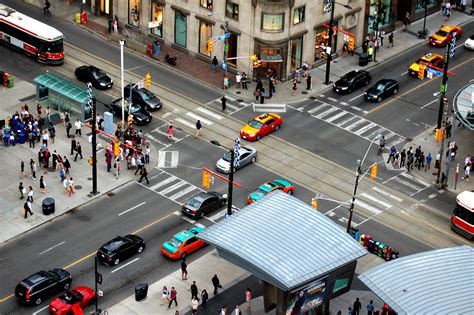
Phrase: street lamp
x=331 y=33
x=122 y=43
x=93 y=107
x=231 y=175
x=424 y=31
x=358 y=173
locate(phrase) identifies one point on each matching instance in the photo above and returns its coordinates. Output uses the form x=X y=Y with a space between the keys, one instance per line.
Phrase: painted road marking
x=332 y=99
x=196 y=117
x=383 y=203
x=132 y=208
x=52 y=247
x=415 y=179
x=316 y=109
x=326 y=112
x=344 y=103
x=183 y=192
x=202 y=226
x=125 y=265
x=383 y=192
x=164 y=182
x=172 y=162
x=40 y=310
x=185 y=122
x=356 y=108
x=338 y=115
x=172 y=187
x=209 y=113
x=365 y=129
x=429 y=103
x=366 y=206
x=356 y=97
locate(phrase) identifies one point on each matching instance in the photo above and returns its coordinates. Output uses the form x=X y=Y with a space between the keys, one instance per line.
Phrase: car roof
x=184 y=235
x=203 y=195
x=267 y=116
x=448 y=28
x=385 y=81
x=36 y=278
x=431 y=56
x=114 y=243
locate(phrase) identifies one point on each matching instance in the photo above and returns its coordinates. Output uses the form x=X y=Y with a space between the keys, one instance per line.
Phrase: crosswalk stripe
x=185 y=122
x=217 y=215
x=386 y=205
x=389 y=136
x=172 y=187
x=365 y=128
x=332 y=99
x=161 y=132
x=355 y=124
x=338 y=115
x=375 y=133
x=193 y=115
x=161 y=159
x=345 y=121
x=209 y=113
x=316 y=109
x=174 y=159
x=183 y=192
x=202 y=226
x=149 y=136
x=404 y=182
x=229 y=98
x=164 y=182
x=415 y=179
x=326 y=112
x=383 y=192
x=367 y=207
x=235 y=108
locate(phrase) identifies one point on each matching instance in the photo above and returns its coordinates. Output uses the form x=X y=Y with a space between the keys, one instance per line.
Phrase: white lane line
x=125 y=265
x=383 y=192
x=132 y=208
x=202 y=226
x=383 y=203
x=415 y=179
x=356 y=97
x=173 y=187
x=429 y=103
x=338 y=115
x=196 y=117
x=209 y=113
x=52 y=247
x=332 y=99
x=185 y=122
x=403 y=73
x=164 y=182
x=39 y=311
x=185 y=218
x=344 y=103
x=356 y=108
x=367 y=207
x=183 y=192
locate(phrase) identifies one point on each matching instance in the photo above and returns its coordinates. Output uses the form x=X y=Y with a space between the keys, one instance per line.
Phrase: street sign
x=223 y=65
x=433 y=71
x=452 y=46
x=442 y=88
x=222 y=37
x=141 y=84
x=429 y=75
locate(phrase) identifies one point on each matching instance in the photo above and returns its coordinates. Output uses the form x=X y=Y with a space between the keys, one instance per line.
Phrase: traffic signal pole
x=329 y=47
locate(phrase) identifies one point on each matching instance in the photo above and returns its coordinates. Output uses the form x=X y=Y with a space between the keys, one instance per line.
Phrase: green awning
x=63 y=87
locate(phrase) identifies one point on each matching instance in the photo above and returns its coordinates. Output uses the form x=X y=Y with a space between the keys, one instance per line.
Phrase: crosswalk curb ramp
x=267 y=108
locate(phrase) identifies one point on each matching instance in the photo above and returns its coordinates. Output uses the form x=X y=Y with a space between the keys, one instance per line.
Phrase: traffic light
x=147 y=80
x=116 y=148
x=206 y=183
x=373 y=171
x=253 y=57
x=314 y=203
x=210 y=45
x=421 y=71
x=130 y=119
x=439 y=134
x=90 y=160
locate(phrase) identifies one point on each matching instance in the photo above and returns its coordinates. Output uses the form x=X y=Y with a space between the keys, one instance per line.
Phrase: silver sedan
x=247 y=155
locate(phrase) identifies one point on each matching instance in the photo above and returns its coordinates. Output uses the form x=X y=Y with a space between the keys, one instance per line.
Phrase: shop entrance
x=271 y=62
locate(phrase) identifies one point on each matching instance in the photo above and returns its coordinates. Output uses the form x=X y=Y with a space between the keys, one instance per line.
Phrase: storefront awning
x=63 y=87
x=271 y=58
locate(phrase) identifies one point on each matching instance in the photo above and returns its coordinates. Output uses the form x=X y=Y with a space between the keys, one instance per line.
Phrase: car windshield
x=146 y=94
x=70 y=298
x=226 y=157
x=379 y=86
x=175 y=242
x=97 y=73
x=193 y=203
x=442 y=33
x=260 y=193
x=54 y=46
x=348 y=77
x=134 y=109
x=471 y=37
x=255 y=124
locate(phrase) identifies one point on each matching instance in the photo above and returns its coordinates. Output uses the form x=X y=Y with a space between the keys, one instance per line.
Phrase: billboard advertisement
x=307 y=298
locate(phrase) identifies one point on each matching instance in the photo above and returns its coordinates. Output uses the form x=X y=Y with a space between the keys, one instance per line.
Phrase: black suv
x=352 y=81
x=120 y=248
x=38 y=286
x=142 y=97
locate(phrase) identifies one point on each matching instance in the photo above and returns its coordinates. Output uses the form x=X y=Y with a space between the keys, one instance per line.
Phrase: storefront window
x=232 y=10
x=273 y=22
x=205 y=32
x=134 y=12
x=420 y=5
x=296 y=53
x=322 y=40
x=206 y=4
x=232 y=53
x=180 y=29
x=157 y=19
x=380 y=10
x=298 y=15
x=271 y=62
x=105 y=6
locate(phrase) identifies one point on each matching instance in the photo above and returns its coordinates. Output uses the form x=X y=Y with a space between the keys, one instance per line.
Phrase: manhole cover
x=178 y=128
x=304 y=92
x=110 y=194
x=240 y=100
x=78 y=187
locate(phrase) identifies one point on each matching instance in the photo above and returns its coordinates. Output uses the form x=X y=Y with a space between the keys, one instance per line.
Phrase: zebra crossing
x=232 y=105
x=159 y=136
x=407 y=183
x=350 y=122
x=168 y=159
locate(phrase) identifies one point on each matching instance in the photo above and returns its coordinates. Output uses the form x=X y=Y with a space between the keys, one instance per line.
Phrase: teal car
x=268 y=187
x=183 y=243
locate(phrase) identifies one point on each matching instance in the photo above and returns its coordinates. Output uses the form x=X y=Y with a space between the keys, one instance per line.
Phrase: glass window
x=206 y=4
x=180 y=29
x=134 y=12
x=420 y=5
x=232 y=10
x=205 y=32
x=232 y=51
x=298 y=15
x=296 y=53
x=157 y=19
x=380 y=10
x=273 y=22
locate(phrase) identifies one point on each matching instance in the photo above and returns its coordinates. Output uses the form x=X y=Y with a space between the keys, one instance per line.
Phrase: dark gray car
x=143 y=97
x=248 y=155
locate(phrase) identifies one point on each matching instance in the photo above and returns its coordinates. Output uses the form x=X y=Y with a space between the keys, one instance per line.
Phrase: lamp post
x=122 y=43
x=376 y=31
x=231 y=175
x=93 y=107
x=425 y=31
x=331 y=33
x=358 y=173
x=226 y=40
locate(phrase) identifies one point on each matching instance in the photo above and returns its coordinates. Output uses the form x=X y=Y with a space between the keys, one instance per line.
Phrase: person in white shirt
x=45 y=137
x=78 y=125
x=238 y=79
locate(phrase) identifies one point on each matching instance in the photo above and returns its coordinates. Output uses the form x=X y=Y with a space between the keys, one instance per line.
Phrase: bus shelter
x=303 y=258
x=61 y=95
x=464 y=106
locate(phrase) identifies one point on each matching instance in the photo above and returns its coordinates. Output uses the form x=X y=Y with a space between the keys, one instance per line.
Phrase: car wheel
x=253 y=160
x=91 y=301
x=259 y=137
x=277 y=127
x=395 y=91
x=379 y=99
x=140 y=249
x=67 y=285
x=116 y=262
x=223 y=202
x=38 y=301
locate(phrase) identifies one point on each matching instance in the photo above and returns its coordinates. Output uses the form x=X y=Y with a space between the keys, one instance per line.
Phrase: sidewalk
x=12 y=222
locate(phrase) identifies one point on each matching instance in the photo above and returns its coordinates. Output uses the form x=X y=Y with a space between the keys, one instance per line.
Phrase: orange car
x=183 y=243
x=261 y=126
x=444 y=35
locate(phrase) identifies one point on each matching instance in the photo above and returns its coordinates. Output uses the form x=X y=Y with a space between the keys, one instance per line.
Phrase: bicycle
x=46 y=11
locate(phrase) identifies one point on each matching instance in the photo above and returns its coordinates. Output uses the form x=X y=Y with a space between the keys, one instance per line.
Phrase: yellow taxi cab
x=435 y=60
x=261 y=126
x=444 y=35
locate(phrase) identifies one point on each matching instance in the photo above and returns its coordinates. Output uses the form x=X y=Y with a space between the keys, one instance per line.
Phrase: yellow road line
x=7 y=298
x=416 y=87
x=153 y=223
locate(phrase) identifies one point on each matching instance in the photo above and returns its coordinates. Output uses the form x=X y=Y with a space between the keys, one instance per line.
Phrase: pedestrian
x=42 y=185
x=22 y=169
x=237 y=311
x=170 y=131
x=144 y=175
x=447 y=10
x=406 y=21
x=421 y=160
x=164 y=295
x=66 y=164
x=223 y=310
x=33 y=169
x=308 y=82
x=194 y=291
x=244 y=81
x=45 y=137
x=248 y=297
x=204 y=298
x=147 y=154
x=71 y=186
x=46 y=156
x=370 y=307
x=62 y=174
x=428 y=161
x=370 y=52
x=294 y=87
x=214 y=64
x=262 y=95
x=78 y=151
x=467 y=171
x=443 y=180
x=390 y=40
x=108 y=160
x=297 y=75
x=66 y=185
x=223 y=102
x=417 y=155
x=78 y=125
x=349 y=311
x=31 y=138
x=381 y=36
x=115 y=24
x=184 y=269
x=27 y=209
x=216 y=283
x=172 y=298
x=198 y=128
x=391 y=156
x=29 y=197
x=22 y=190
x=238 y=79
x=68 y=128
x=117 y=166
x=73 y=145
x=409 y=162
x=226 y=83
x=357 y=306
x=194 y=306
x=438 y=160
x=139 y=164
x=52 y=132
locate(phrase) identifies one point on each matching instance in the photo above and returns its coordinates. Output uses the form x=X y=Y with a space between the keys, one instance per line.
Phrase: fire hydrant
x=84 y=17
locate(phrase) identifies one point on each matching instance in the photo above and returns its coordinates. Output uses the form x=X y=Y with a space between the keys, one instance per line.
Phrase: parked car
x=352 y=81
x=382 y=89
x=469 y=43
x=98 y=78
x=203 y=203
x=41 y=285
x=120 y=248
x=140 y=116
x=143 y=97
x=77 y=298
x=183 y=243
x=261 y=126
x=247 y=155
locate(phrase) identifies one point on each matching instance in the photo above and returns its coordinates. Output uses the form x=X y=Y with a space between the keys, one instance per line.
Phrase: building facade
x=282 y=33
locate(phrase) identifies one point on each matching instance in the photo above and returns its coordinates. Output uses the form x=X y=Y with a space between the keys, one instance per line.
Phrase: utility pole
x=329 y=46
x=231 y=182
x=351 y=209
x=122 y=43
x=92 y=105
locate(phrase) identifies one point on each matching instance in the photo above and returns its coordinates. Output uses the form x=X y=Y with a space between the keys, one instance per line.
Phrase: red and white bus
x=18 y=31
x=462 y=220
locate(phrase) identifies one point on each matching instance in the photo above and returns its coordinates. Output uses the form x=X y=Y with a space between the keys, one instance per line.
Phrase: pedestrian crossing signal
x=206 y=180
x=147 y=80
x=314 y=203
x=130 y=119
x=373 y=171
x=253 y=57
x=116 y=148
